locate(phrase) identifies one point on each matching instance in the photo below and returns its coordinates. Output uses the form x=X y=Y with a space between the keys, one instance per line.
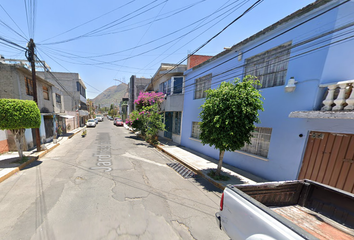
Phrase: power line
x=12 y=43
x=109 y=25
x=105 y=14
x=13 y=22
x=233 y=10
x=209 y=40
x=276 y=36
x=278 y=62
x=175 y=39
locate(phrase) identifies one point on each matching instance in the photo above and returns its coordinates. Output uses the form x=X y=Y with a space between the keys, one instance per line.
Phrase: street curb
x=74 y=134
x=194 y=169
x=25 y=164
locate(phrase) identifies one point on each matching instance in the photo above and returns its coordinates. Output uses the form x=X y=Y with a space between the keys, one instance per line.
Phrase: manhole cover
x=181 y=169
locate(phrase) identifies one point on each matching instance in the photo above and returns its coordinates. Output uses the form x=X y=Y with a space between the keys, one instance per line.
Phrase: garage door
x=329 y=159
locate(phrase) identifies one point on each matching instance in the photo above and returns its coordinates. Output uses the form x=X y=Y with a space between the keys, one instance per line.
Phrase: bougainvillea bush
x=148 y=98
x=147 y=119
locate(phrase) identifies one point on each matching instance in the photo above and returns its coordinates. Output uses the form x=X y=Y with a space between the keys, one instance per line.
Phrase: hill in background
x=112 y=95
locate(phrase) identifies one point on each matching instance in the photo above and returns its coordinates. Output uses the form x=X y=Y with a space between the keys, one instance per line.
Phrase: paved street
x=108 y=185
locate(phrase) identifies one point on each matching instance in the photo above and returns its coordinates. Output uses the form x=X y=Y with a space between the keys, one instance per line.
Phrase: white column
x=350 y=101
x=329 y=99
x=341 y=98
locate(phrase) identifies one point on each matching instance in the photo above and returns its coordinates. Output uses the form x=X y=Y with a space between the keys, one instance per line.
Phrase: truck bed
x=323 y=211
x=315 y=223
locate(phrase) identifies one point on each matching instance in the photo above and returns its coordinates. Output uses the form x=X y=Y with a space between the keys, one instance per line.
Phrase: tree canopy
x=229 y=113
x=17 y=114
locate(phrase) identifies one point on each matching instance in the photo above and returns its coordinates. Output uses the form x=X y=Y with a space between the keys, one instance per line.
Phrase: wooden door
x=329 y=159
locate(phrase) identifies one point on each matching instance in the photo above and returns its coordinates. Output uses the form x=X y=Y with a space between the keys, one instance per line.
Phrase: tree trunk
x=221 y=156
x=18 y=134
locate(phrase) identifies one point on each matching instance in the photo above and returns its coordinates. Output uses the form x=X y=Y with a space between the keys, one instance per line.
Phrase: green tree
x=147 y=118
x=228 y=115
x=17 y=115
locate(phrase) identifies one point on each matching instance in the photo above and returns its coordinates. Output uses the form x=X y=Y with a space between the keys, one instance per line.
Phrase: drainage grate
x=181 y=169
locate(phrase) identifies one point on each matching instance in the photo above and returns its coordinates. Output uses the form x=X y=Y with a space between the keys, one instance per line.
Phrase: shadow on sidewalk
x=16 y=162
x=66 y=134
x=208 y=186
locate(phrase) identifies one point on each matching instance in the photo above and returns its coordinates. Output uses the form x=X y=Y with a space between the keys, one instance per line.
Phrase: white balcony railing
x=340 y=96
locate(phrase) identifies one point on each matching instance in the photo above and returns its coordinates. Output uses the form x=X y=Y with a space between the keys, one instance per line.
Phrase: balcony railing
x=340 y=96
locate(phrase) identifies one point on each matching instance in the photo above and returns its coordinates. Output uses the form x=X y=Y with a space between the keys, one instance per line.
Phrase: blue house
x=305 y=63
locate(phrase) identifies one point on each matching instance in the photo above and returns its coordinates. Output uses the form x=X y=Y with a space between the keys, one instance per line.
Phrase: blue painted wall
x=311 y=64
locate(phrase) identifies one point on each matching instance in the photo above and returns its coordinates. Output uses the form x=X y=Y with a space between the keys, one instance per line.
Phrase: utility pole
x=31 y=58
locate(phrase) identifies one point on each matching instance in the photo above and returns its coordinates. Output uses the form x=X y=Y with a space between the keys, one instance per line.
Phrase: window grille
x=260 y=142
x=196 y=130
x=202 y=84
x=269 y=67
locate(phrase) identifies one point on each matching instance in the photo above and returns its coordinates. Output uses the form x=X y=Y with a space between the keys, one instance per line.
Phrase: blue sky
x=106 y=40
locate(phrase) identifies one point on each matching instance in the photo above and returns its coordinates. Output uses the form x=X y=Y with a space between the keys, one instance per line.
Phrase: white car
x=91 y=123
x=99 y=118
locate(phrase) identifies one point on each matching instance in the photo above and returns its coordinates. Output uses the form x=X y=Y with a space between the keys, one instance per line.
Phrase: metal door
x=329 y=159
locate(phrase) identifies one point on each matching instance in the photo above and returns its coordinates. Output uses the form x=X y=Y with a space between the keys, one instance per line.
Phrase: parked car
x=115 y=120
x=110 y=118
x=99 y=118
x=118 y=122
x=91 y=123
x=96 y=120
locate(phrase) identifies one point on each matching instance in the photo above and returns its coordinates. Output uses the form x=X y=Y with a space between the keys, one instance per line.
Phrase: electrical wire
x=109 y=25
x=232 y=76
x=100 y=16
x=210 y=39
x=23 y=36
x=236 y=8
x=260 y=44
x=175 y=39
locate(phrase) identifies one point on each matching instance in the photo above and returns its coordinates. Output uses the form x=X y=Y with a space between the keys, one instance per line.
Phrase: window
x=270 y=67
x=177 y=122
x=58 y=98
x=202 y=84
x=177 y=85
x=260 y=142
x=195 y=130
x=29 y=86
x=45 y=93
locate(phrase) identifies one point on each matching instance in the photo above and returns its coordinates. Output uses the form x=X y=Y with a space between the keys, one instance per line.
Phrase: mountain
x=112 y=95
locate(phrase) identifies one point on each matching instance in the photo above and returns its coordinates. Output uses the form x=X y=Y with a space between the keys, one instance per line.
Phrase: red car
x=118 y=122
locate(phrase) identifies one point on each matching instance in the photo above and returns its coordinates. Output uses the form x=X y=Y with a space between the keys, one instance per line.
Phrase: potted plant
x=84 y=132
x=59 y=131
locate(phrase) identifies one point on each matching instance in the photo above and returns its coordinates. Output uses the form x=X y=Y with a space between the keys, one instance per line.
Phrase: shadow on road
x=33 y=164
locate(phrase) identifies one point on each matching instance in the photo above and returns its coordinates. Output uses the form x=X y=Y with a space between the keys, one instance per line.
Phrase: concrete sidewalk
x=11 y=164
x=202 y=164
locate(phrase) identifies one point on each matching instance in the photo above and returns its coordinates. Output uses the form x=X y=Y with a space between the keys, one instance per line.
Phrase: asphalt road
x=108 y=185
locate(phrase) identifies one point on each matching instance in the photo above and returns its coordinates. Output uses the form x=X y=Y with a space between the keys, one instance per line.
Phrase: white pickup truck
x=301 y=209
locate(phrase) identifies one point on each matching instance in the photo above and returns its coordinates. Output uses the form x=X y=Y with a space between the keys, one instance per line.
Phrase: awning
x=83 y=113
x=66 y=116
